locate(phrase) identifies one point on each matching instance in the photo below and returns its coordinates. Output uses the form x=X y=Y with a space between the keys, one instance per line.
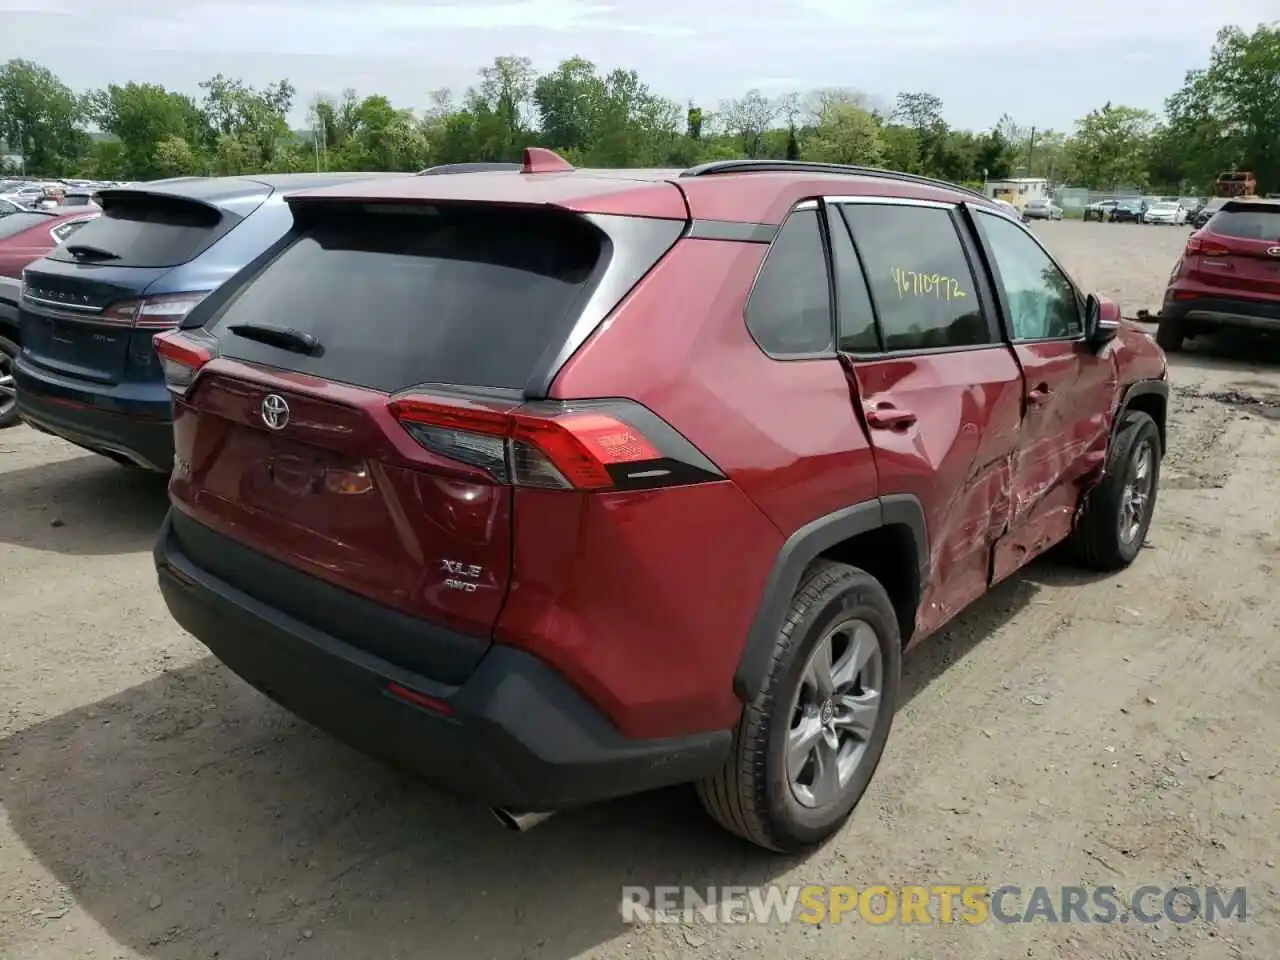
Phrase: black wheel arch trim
x=794 y=557
x=1140 y=388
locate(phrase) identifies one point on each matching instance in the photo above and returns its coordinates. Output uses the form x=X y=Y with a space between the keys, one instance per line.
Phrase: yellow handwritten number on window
x=913 y=283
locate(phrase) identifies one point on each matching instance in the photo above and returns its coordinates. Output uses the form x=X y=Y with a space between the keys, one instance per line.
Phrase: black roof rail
x=479 y=166
x=807 y=166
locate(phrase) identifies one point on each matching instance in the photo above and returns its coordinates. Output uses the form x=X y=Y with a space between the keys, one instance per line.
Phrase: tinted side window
x=857 y=318
x=924 y=291
x=789 y=312
x=67 y=229
x=1042 y=302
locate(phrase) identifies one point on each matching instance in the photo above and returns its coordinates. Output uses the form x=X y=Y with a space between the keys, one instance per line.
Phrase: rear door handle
x=887 y=418
x=1039 y=394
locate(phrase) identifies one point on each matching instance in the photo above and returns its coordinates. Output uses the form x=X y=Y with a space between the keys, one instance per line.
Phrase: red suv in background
x=1228 y=278
x=25 y=236
x=557 y=485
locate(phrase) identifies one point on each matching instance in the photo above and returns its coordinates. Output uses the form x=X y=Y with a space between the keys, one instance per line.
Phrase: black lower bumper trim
x=1210 y=313
x=145 y=442
x=515 y=734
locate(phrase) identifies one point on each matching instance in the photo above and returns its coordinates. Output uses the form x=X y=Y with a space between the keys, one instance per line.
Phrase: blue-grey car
x=87 y=370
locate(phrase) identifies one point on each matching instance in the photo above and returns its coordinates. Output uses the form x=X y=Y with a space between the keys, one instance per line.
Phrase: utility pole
x=1031 y=152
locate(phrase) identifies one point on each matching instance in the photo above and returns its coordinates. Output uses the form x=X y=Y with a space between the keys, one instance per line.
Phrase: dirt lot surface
x=1067 y=730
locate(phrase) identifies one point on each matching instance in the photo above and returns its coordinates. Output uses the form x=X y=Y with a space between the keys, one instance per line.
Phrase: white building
x=1019 y=191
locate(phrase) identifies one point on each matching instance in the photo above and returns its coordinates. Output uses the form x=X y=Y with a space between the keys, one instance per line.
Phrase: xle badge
x=461 y=576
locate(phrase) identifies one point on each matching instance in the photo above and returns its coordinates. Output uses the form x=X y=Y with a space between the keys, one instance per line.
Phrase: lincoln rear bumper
x=139 y=431
x=515 y=734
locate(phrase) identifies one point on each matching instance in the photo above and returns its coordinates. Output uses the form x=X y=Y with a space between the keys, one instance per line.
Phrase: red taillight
x=560 y=449
x=154 y=313
x=181 y=357
x=1207 y=246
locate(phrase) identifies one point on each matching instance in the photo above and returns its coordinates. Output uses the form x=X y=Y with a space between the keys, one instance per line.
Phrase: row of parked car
x=481 y=473
x=1156 y=210
x=16 y=195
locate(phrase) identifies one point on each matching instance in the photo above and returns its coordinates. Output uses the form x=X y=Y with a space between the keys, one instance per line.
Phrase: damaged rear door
x=939 y=389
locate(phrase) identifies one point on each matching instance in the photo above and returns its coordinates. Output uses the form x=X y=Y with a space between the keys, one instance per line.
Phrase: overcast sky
x=1044 y=64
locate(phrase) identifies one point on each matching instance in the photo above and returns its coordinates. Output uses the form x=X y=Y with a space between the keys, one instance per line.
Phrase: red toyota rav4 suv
x=558 y=484
x=1228 y=278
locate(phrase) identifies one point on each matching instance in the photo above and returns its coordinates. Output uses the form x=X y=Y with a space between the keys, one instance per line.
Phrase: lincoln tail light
x=585 y=445
x=182 y=354
x=153 y=313
x=1207 y=246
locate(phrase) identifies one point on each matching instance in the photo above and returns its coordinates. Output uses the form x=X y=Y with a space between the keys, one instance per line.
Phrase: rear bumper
x=515 y=734
x=137 y=428
x=1213 y=313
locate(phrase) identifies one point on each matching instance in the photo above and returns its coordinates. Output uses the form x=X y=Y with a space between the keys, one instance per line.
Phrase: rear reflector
x=418 y=699
x=596 y=445
x=181 y=357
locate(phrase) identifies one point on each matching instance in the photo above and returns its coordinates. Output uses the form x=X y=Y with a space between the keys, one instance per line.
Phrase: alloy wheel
x=8 y=389
x=1135 y=498
x=834 y=713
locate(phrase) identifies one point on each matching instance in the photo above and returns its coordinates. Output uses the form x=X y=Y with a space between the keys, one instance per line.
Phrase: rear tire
x=771 y=791
x=8 y=390
x=1170 y=335
x=1118 y=512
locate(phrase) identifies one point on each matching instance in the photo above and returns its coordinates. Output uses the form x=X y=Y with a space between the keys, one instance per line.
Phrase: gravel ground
x=1068 y=729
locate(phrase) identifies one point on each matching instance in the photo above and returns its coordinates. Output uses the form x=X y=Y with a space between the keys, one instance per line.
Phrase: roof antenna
x=542 y=160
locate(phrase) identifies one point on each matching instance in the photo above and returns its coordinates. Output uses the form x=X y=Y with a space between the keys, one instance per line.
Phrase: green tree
x=174 y=157
x=40 y=118
x=845 y=134
x=994 y=156
x=143 y=116
x=499 y=107
x=256 y=119
x=570 y=104
x=748 y=119
x=1110 y=146
x=1228 y=114
x=234 y=157
x=377 y=136
x=921 y=113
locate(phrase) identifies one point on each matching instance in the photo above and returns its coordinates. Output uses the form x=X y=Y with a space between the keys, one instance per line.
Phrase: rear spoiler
x=175 y=200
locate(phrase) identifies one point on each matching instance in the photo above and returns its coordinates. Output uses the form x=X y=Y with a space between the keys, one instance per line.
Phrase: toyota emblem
x=275 y=411
x=1273 y=251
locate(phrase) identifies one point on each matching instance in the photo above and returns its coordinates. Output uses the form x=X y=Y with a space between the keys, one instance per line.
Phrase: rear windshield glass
x=15 y=223
x=147 y=230
x=468 y=295
x=1247 y=222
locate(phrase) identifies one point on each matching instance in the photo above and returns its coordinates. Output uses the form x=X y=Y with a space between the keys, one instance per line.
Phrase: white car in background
x=1167 y=212
x=1042 y=210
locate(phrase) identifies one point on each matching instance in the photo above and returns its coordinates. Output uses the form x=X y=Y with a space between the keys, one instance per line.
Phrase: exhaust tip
x=517 y=821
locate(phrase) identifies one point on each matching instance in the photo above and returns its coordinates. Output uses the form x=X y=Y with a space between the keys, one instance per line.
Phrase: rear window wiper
x=86 y=252
x=286 y=338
